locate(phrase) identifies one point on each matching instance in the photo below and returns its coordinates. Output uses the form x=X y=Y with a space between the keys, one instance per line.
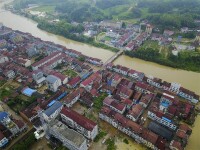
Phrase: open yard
x=150 y=44
x=70 y=73
x=2 y=82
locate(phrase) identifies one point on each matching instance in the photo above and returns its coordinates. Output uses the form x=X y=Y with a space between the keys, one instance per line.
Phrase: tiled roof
x=1 y=136
x=79 y=119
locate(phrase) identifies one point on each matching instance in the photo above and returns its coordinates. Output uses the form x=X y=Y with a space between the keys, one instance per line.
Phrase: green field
x=45 y=8
x=70 y=73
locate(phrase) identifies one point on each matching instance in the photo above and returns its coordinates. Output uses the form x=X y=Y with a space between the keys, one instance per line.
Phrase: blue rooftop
x=51 y=103
x=49 y=111
x=3 y=115
x=28 y=91
x=165 y=104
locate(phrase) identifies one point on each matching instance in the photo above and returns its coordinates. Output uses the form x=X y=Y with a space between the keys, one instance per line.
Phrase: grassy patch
x=20 y=102
x=44 y=8
x=150 y=44
x=125 y=141
x=107 y=38
x=91 y=116
x=70 y=73
x=100 y=136
x=25 y=144
x=98 y=102
x=110 y=144
x=5 y=92
x=2 y=82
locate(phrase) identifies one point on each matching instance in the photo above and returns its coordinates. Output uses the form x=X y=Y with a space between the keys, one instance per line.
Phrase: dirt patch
x=41 y=144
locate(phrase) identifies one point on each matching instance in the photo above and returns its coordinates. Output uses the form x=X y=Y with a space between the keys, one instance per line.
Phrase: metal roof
x=52 y=79
x=53 y=108
x=160 y=130
x=28 y=91
x=3 y=115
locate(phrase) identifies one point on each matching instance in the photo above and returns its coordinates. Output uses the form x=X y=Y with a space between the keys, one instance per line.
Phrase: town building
x=52 y=112
x=53 y=82
x=69 y=138
x=3 y=59
x=38 y=77
x=3 y=140
x=135 y=112
x=114 y=105
x=52 y=61
x=80 y=123
x=8 y=123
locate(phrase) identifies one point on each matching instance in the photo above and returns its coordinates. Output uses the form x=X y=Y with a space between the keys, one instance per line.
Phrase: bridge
x=111 y=59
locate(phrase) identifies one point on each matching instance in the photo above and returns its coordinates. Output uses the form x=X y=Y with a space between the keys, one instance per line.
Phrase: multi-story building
x=69 y=138
x=8 y=123
x=80 y=123
x=3 y=59
x=38 y=77
x=51 y=60
x=53 y=111
x=53 y=82
x=3 y=140
x=132 y=129
x=114 y=105
x=135 y=112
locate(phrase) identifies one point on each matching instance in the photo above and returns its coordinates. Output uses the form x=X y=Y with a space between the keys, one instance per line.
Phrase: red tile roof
x=1 y=136
x=177 y=145
x=19 y=123
x=136 y=110
x=184 y=127
x=181 y=134
x=74 y=81
x=45 y=59
x=149 y=136
x=79 y=119
x=59 y=75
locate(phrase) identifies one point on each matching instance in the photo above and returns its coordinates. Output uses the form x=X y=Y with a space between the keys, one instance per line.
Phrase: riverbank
x=190 y=64
x=185 y=60
x=54 y=28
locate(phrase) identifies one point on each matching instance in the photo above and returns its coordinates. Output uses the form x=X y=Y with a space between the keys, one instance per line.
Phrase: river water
x=188 y=79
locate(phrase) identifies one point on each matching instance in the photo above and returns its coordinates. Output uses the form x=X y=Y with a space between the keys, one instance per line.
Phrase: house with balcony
x=38 y=77
x=114 y=105
x=52 y=112
x=156 y=82
x=135 y=112
x=130 y=128
x=146 y=99
x=174 y=87
x=141 y=87
x=69 y=138
x=135 y=75
x=81 y=124
x=3 y=140
x=6 y=121
x=53 y=82
x=73 y=97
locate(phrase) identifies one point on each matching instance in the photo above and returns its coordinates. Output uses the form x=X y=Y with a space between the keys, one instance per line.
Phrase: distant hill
x=171 y=13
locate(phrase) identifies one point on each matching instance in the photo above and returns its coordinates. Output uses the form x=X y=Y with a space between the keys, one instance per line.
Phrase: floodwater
x=188 y=79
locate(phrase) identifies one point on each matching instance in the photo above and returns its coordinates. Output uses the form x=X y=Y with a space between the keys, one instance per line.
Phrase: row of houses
x=75 y=127
x=9 y=128
x=132 y=129
x=133 y=44
x=155 y=82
